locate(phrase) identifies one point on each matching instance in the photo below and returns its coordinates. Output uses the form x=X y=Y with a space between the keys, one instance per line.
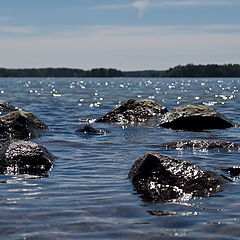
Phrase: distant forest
x=189 y=70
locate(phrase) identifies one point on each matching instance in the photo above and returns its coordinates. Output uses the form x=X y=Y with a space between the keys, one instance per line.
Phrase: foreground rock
x=194 y=118
x=20 y=124
x=202 y=145
x=88 y=129
x=6 y=107
x=25 y=157
x=134 y=112
x=161 y=178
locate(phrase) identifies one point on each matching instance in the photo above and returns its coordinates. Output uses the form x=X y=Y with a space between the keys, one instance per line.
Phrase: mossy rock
x=21 y=125
x=194 y=118
x=134 y=112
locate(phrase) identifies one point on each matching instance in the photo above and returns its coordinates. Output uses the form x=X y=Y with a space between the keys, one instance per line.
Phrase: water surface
x=87 y=194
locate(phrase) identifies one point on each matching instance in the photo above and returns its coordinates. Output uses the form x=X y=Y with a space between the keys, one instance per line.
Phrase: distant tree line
x=189 y=70
x=210 y=70
x=60 y=72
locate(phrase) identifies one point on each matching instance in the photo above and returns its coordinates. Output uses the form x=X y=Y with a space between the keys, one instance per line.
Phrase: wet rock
x=88 y=129
x=194 y=118
x=25 y=157
x=21 y=125
x=160 y=178
x=134 y=112
x=6 y=107
x=202 y=145
x=233 y=171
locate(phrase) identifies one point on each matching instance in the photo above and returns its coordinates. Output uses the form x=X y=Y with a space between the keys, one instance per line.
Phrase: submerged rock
x=20 y=124
x=160 y=178
x=134 y=112
x=25 y=157
x=233 y=171
x=202 y=145
x=88 y=129
x=194 y=118
x=6 y=107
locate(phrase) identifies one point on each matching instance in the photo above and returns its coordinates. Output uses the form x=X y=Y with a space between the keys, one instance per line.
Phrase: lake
x=87 y=195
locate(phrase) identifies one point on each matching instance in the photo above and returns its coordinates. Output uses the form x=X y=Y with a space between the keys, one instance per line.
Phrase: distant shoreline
x=189 y=70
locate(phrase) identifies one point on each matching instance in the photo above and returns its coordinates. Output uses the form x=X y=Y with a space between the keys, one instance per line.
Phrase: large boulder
x=160 y=178
x=25 y=157
x=6 y=107
x=202 y=145
x=21 y=125
x=134 y=112
x=194 y=118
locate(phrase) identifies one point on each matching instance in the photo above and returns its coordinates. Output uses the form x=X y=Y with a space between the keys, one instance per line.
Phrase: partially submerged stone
x=25 y=157
x=134 y=112
x=20 y=124
x=160 y=178
x=202 y=145
x=194 y=118
x=232 y=171
x=6 y=107
x=88 y=129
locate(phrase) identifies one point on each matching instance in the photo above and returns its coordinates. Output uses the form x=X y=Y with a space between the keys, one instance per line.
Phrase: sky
x=121 y=34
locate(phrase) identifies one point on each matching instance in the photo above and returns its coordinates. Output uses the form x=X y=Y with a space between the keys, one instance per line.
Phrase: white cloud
x=124 y=47
x=141 y=5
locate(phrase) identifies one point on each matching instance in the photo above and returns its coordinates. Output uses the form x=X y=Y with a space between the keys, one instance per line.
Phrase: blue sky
x=122 y=34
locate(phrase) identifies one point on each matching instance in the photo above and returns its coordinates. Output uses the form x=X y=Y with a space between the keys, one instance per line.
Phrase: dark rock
x=233 y=171
x=20 y=124
x=6 y=107
x=134 y=112
x=202 y=145
x=88 y=129
x=194 y=118
x=25 y=157
x=160 y=178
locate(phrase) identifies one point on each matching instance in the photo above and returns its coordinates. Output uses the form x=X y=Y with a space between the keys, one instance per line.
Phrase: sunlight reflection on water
x=87 y=194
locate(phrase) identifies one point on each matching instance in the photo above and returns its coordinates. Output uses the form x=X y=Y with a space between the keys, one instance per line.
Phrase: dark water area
x=87 y=195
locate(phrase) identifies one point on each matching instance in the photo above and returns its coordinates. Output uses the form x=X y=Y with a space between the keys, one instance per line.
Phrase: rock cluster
x=188 y=117
x=161 y=178
x=158 y=178
x=17 y=156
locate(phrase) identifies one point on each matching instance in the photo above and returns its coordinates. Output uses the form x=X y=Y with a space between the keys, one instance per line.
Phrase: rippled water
x=87 y=194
